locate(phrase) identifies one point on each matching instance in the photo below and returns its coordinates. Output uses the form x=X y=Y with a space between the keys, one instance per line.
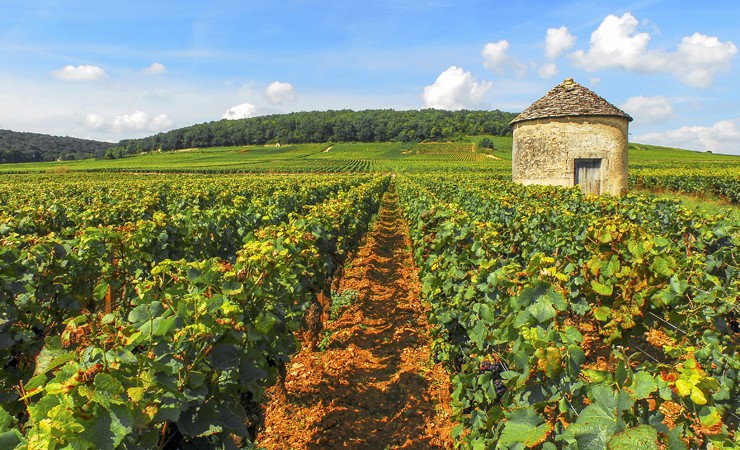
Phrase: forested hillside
x=33 y=147
x=327 y=126
x=301 y=127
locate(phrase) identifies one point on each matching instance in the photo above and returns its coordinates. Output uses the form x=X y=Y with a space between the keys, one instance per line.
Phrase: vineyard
x=722 y=185
x=140 y=311
x=581 y=322
x=295 y=158
x=157 y=301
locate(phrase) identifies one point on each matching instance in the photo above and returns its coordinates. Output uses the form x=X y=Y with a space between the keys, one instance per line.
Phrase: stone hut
x=569 y=137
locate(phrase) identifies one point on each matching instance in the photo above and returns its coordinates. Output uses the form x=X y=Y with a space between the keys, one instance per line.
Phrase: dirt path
x=374 y=386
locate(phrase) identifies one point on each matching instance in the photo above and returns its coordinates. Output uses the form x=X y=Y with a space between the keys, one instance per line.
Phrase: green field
x=652 y=168
x=360 y=157
x=344 y=157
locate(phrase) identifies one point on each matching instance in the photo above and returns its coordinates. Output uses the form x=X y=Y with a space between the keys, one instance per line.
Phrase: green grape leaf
x=643 y=437
x=265 y=321
x=663 y=266
x=231 y=287
x=224 y=356
x=169 y=408
x=200 y=421
x=524 y=426
x=697 y=396
x=108 y=428
x=11 y=439
x=101 y=290
x=160 y=326
x=605 y=237
x=52 y=355
x=602 y=289
x=6 y=420
x=542 y=310
x=643 y=384
x=600 y=420
x=602 y=313
x=531 y=294
x=144 y=313
x=194 y=274
x=683 y=387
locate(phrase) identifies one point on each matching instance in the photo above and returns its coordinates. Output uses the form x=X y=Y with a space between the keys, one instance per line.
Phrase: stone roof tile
x=569 y=99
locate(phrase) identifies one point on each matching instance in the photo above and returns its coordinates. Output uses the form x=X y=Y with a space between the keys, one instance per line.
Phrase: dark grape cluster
x=454 y=361
x=500 y=387
x=496 y=368
x=437 y=357
x=458 y=362
x=12 y=361
x=735 y=326
x=487 y=366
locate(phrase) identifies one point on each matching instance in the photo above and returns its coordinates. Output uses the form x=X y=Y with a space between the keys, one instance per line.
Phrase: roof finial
x=568 y=81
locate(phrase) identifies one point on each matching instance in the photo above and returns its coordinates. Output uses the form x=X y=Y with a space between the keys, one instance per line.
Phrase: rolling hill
x=18 y=147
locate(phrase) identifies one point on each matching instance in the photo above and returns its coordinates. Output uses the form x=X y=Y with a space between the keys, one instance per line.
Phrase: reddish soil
x=374 y=386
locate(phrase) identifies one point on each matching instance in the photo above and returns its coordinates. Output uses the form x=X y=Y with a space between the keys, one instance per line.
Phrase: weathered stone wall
x=545 y=149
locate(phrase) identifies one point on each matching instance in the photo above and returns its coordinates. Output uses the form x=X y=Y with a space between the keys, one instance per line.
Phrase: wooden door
x=588 y=175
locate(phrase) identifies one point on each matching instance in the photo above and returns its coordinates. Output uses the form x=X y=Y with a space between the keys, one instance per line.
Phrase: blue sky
x=115 y=70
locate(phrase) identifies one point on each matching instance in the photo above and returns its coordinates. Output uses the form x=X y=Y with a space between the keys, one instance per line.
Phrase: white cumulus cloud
x=79 y=73
x=160 y=122
x=700 y=57
x=557 y=41
x=616 y=44
x=136 y=121
x=155 y=69
x=455 y=89
x=722 y=137
x=279 y=92
x=94 y=121
x=496 y=58
x=648 y=109
x=242 y=111
x=549 y=70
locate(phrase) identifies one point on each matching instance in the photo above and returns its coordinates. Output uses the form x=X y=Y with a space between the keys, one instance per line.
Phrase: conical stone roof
x=569 y=99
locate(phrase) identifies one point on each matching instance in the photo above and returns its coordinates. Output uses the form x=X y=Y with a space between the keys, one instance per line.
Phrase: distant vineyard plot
x=651 y=167
x=297 y=158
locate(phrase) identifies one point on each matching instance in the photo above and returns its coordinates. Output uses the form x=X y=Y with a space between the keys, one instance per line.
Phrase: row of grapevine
x=345 y=165
x=65 y=204
x=723 y=186
x=577 y=321
x=299 y=166
x=68 y=247
x=192 y=343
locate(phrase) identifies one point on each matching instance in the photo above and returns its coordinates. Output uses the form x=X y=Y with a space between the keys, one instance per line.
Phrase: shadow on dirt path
x=373 y=387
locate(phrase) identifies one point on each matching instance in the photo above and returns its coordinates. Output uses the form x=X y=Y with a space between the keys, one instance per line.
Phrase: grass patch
x=325 y=341
x=341 y=301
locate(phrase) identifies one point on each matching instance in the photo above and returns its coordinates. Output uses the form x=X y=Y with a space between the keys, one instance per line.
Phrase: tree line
x=33 y=147
x=384 y=125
